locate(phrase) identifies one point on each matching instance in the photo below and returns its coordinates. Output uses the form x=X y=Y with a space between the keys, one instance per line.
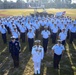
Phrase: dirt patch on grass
x=4 y=15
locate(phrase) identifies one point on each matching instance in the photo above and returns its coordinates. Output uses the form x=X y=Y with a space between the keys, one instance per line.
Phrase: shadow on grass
x=8 y=69
x=66 y=65
x=50 y=70
x=24 y=58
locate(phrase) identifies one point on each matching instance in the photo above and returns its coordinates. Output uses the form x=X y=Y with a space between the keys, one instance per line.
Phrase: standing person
x=57 y=50
x=16 y=34
x=37 y=26
x=3 y=31
x=37 y=56
x=45 y=35
x=63 y=36
x=54 y=33
x=23 y=31
x=14 y=49
x=73 y=33
x=30 y=36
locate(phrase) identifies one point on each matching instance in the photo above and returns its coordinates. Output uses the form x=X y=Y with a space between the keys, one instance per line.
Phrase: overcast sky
x=14 y=0
x=73 y=1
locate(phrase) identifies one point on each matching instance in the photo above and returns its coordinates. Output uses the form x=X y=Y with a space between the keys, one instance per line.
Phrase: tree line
x=32 y=3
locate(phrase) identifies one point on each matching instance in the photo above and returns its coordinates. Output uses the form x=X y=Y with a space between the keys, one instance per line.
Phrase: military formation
x=31 y=29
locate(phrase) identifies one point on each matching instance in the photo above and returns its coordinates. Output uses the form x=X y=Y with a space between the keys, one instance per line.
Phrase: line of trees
x=34 y=3
x=10 y=5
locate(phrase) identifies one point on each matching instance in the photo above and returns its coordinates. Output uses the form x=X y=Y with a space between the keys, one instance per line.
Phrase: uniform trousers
x=42 y=28
x=54 y=37
x=73 y=35
x=68 y=34
x=30 y=42
x=63 y=42
x=18 y=29
x=4 y=38
x=23 y=37
x=8 y=29
x=45 y=43
x=37 y=32
x=37 y=66
x=15 y=60
x=56 y=60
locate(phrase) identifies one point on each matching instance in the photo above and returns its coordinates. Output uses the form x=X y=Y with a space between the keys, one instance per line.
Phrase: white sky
x=14 y=0
x=73 y=1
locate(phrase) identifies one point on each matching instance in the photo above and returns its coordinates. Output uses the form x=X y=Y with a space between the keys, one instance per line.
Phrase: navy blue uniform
x=14 y=49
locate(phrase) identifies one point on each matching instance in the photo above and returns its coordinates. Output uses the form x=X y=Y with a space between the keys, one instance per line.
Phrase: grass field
x=14 y=12
x=68 y=61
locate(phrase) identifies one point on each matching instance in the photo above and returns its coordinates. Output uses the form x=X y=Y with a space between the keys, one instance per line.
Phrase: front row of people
x=37 y=53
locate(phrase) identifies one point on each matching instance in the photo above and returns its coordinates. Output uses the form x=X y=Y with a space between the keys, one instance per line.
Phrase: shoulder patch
x=56 y=45
x=34 y=46
x=41 y=47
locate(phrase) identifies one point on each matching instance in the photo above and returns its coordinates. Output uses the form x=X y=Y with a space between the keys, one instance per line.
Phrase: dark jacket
x=14 y=48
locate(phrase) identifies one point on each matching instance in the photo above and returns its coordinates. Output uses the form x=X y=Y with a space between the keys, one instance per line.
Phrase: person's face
x=22 y=24
x=74 y=25
x=59 y=43
x=65 y=25
x=30 y=30
x=38 y=44
x=55 y=25
x=45 y=28
x=14 y=29
x=63 y=30
x=13 y=39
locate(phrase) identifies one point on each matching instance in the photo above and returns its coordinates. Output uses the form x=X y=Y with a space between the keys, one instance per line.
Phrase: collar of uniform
x=45 y=30
x=59 y=45
x=38 y=46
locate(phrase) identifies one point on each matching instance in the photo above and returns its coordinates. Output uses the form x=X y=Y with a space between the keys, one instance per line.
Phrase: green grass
x=67 y=64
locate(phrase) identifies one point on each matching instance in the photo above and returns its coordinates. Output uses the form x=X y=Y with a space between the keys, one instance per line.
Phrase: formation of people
x=58 y=29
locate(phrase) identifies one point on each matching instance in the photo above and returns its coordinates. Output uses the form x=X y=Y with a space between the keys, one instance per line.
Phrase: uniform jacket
x=37 y=53
x=14 y=47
